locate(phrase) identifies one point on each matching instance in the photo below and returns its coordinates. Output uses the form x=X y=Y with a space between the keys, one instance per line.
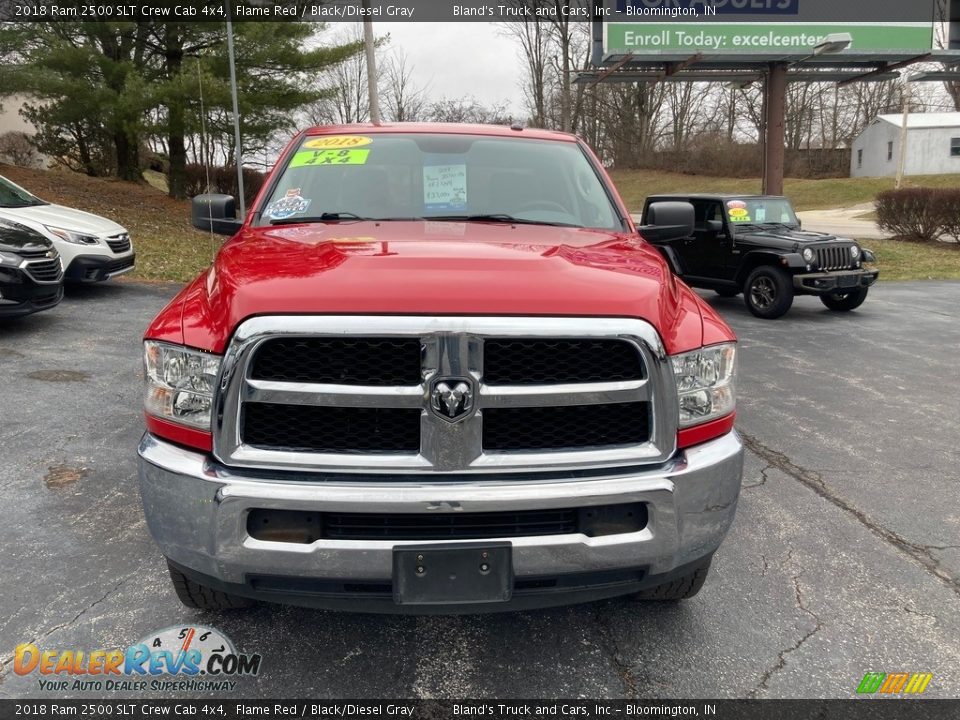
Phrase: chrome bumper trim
x=196 y=510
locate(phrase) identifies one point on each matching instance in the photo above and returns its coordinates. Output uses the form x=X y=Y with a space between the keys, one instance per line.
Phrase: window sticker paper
x=445 y=187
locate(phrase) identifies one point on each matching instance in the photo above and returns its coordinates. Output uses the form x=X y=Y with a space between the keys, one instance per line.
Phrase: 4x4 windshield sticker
x=737 y=211
x=445 y=187
x=292 y=203
x=336 y=142
x=310 y=158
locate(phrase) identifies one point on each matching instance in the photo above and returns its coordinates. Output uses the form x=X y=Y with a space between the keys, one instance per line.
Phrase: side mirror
x=668 y=221
x=715 y=226
x=215 y=213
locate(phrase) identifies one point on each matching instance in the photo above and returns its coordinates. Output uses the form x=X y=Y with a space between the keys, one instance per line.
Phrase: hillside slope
x=167 y=246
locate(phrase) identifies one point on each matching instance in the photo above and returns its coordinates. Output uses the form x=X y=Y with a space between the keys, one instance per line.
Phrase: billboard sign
x=763 y=27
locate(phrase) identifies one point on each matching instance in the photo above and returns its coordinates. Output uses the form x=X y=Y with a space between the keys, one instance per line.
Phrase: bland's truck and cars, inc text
x=438 y=370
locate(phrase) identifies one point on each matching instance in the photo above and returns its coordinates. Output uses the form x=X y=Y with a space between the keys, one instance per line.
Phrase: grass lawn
x=636 y=185
x=168 y=248
x=899 y=260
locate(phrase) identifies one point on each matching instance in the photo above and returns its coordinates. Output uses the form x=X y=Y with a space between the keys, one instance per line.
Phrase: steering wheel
x=543 y=205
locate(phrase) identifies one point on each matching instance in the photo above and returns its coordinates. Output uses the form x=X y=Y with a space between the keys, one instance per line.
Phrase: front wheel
x=845 y=302
x=683 y=588
x=768 y=292
x=194 y=595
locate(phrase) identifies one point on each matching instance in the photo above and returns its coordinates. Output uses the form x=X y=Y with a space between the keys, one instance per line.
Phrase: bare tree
x=402 y=101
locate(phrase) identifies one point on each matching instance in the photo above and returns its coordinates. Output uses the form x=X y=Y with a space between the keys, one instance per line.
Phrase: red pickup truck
x=437 y=369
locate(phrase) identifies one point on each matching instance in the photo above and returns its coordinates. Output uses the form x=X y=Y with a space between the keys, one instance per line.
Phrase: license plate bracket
x=849 y=281
x=453 y=574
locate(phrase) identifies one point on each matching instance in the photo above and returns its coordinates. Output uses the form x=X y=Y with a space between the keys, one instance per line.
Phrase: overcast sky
x=460 y=58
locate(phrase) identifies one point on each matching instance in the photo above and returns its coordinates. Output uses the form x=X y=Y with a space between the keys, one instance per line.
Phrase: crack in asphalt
x=763 y=474
x=921 y=553
x=609 y=643
x=5 y=661
x=782 y=655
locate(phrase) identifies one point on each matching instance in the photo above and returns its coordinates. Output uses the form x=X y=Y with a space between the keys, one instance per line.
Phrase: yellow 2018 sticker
x=336 y=142
x=309 y=158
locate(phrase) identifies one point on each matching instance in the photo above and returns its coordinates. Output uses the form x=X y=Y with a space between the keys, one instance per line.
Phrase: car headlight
x=10 y=260
x=73 y=237
x=705 y=383
x=855 y=252
x=180 y=383
x=808 y=255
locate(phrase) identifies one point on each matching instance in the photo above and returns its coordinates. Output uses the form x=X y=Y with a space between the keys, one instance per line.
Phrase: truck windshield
x=458 y=177
x=14 y=196
x=760 y=211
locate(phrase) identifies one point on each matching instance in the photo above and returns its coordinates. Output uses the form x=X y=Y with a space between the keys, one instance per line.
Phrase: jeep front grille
x=444 y=395
x=834 y=257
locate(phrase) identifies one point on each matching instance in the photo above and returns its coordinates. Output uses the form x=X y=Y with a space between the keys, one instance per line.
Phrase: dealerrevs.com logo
x=192 y=658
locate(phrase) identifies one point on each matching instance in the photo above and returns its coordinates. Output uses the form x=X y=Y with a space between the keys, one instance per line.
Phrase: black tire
x=768 y=292
x=683 y=588
x=194 y=595
x=845 y=302
x=727 y=292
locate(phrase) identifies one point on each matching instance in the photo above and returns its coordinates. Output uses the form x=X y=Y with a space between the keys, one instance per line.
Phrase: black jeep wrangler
x=754 y=245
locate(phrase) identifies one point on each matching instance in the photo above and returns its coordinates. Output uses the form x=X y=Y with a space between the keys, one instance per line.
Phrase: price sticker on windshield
x=737 y=211
x=318 y=158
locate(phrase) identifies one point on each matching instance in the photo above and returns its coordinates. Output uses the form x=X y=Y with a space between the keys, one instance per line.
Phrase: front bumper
x=197 y=510
x=95 y=268
x=21 y=295
x=836 y=281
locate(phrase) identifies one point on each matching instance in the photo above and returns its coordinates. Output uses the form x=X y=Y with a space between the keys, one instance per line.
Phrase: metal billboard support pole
x=902 y=160
x=236 y=115
x=775 y=102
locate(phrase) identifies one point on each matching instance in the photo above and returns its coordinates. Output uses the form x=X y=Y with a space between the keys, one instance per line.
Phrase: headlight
x=855 y=252
x=705 y=383
x=10 y=260
x=808 y=255
x=180 y=383
x=73 y=237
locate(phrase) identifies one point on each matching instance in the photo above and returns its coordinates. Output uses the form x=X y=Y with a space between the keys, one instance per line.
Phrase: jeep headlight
x=705 y=383
x=180 y=383
x=855 y=252
x=70 y=236
x=808 y=255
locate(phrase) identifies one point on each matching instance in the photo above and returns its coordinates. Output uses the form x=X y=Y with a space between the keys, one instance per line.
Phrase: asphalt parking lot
x=844 y=557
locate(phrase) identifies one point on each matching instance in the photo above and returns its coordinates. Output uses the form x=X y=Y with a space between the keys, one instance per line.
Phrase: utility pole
x=371 y=66
x=902 y=160
x=236 y=115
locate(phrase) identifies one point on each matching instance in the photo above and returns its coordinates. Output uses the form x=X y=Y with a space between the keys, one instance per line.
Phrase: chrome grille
x=119 y=243
x=834 y=257
x=45 y=271
x=280 y=406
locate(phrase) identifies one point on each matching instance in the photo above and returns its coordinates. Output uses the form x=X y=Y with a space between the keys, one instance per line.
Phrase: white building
x=933 y=145
x=10 y=119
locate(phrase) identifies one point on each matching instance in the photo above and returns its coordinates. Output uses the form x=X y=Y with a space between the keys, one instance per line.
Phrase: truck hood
x=63 y=217
x=437 y=268
x=786 y=237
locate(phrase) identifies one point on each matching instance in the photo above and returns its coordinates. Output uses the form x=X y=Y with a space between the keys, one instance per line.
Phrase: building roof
x=924 y=120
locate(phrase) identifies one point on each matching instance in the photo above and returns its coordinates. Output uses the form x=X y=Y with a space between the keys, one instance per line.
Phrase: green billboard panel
x=760 y=38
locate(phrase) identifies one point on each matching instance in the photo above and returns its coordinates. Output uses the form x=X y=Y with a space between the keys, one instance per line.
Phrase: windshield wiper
x=499 y=218
x=322 y=218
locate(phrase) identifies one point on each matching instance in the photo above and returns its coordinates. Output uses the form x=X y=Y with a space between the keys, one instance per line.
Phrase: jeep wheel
x=845 y=302
x=727 y=292
x=683 y=588
x=768 y=292
x=194 y=595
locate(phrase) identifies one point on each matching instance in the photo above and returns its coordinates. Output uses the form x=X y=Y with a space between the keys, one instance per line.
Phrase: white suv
x=91 y=248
